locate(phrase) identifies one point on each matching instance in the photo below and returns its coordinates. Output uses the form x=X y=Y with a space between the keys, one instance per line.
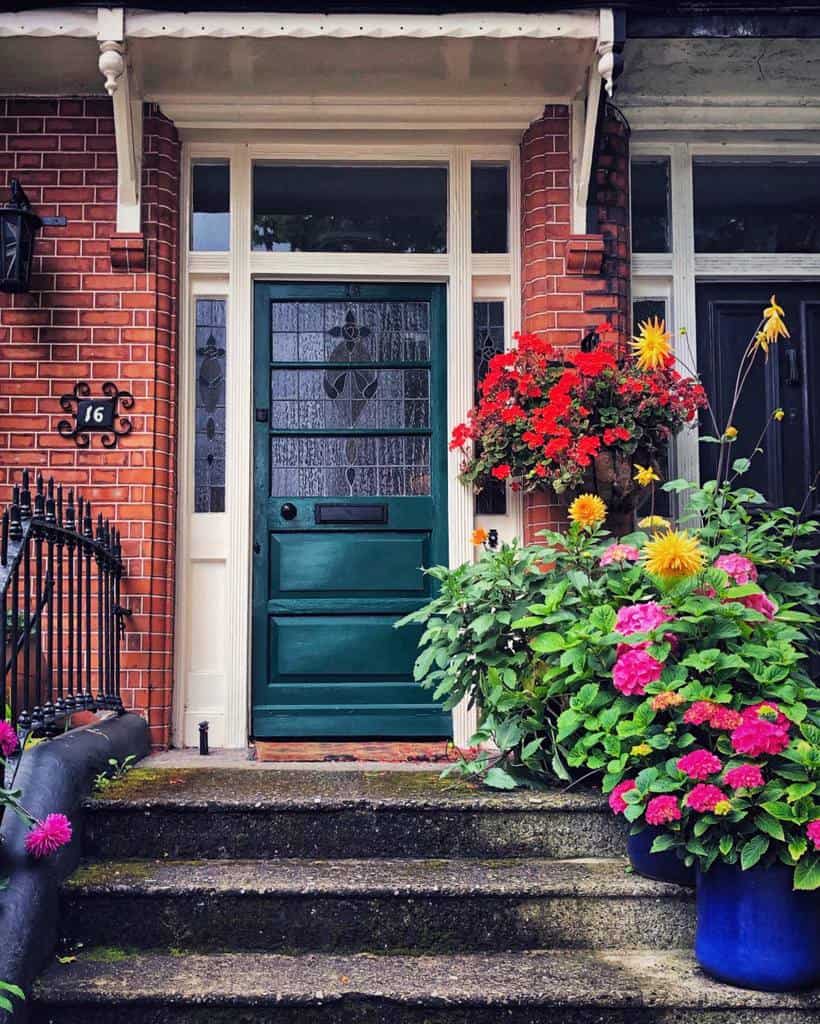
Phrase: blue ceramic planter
x=663 y=867
x=755 y=931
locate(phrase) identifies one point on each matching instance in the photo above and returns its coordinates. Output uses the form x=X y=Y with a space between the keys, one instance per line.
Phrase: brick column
x=571 y=283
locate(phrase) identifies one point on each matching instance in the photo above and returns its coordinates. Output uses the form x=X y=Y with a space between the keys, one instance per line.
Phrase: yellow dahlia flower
x=588 y=510
x=674 y=555
x=778 y=414
x=645 y=475
x=652 y=344
x=773 y=326
x=730 y=432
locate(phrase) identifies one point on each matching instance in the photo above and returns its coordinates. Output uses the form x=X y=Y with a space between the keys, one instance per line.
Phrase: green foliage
x=7 y=992
x=116 y=770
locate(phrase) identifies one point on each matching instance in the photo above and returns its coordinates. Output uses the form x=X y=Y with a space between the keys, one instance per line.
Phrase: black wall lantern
x=18 y=227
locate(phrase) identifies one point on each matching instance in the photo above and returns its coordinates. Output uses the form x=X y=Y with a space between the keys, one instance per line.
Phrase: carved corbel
x=113 y=65
x=611 y=38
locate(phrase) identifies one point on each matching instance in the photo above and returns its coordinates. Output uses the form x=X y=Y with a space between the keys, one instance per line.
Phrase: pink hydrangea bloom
x=739 y=569
x=634 y=671
x=699 y=764
x=640 y=618
x=744 y=776
x=813 y=832
x=616 y=800
x=760 y=603
x=661 y=809
x=620 y=553
x=8 y=739
x=48 y=836
x=764 y=730
x=705 y=797
x=710 y=713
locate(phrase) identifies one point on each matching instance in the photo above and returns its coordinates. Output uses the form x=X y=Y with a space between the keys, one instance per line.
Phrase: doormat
x=401 y=752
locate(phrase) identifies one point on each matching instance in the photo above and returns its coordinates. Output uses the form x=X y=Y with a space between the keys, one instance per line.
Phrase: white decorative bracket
x=113 y=64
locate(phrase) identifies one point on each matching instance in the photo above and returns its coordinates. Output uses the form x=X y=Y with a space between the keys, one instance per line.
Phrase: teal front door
x=350 y=502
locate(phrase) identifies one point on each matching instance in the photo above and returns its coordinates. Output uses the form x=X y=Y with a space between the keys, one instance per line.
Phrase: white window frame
x=233 y=274
x=680 y=271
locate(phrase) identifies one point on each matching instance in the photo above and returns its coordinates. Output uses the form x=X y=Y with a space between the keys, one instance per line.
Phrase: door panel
x=728 y=314
x=350 y=503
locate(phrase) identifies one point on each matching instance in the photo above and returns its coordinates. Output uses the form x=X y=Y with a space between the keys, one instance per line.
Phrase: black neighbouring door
x=727 y=315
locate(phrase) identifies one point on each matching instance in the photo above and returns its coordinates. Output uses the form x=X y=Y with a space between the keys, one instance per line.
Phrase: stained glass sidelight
x=352 y=367
x=488 y=341
x=209 y=443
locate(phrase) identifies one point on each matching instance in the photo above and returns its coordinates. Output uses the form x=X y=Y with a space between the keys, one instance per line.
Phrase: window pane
x=210 y=207
x=209 y=442
x=490 y=202
x=488 y=340
x=329 y=208
x=757 y=206
x=651 y=216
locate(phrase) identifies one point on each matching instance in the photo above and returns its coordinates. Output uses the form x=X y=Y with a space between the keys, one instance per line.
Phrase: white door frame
x=226 y=538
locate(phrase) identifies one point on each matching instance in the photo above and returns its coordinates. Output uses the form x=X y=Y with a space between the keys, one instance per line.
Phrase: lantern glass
x=17 y=228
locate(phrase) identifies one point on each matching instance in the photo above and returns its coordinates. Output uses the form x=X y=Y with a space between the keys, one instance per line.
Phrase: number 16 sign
x=95 y=415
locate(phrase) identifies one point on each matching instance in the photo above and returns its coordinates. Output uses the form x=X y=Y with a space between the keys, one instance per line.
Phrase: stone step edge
x=387 y=878
x=615 y=978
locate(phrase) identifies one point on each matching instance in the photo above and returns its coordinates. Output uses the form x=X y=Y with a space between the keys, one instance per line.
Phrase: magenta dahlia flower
x=705 y=797
x=661 y=809
x=8 y=739
x=48 y=836
x=699 y=764
x=616 y=800
x=737 y=568
x=634 y=671
x=813 y=832
x=744 y=776
x=640 y=618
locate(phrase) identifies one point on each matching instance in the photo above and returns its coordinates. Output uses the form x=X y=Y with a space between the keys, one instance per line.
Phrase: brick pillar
x=571 y=283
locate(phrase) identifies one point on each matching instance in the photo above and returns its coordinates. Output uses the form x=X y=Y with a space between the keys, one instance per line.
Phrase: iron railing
x=61 y=619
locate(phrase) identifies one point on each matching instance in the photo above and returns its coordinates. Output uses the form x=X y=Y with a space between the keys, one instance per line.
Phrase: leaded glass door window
x=350 y=505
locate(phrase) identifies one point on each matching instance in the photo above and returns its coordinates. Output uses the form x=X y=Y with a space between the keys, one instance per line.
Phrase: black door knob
x=288 y=511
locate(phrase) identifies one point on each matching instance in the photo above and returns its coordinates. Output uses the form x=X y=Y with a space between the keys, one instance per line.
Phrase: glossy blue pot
x=755 y=931
x=663 y=867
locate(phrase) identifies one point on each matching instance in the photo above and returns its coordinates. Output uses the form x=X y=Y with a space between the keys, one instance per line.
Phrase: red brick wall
x=559 y=303
x=81 y=321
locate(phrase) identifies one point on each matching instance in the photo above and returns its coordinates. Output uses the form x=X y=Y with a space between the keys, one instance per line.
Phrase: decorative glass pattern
x=651 y=210
x=488 y=340
x=352 y=367
x=209 y=443
x=336 y=467
x=756 y=205
x=353 y=208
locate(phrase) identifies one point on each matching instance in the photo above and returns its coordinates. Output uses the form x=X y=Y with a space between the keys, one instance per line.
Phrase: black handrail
x=61 y=616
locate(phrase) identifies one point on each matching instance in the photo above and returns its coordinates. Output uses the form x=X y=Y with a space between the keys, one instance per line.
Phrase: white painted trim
x=321 y=113
x=774 y=266
x=115 y=68
x=266 y=25
x=586 y=151
x=339 y=266
x=65 y=21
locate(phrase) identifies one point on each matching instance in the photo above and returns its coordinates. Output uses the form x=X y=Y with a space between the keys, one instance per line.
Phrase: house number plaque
x=95 y=415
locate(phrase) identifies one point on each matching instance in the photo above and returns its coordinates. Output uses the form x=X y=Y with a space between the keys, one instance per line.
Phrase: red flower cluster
x=545 y=414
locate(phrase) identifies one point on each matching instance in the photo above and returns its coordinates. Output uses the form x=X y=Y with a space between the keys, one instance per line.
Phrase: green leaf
x=771 y=826
x=559 y=768
x=568 y=722
x=665 y=841
x=798 y=790
x=508 y=734
x=807 y=873
x=797 y=847
x=725 y=845
x=531 y=749
x=483 y=624
x=741 y=465
x=548 y=643
x=753 y=851
x=497 y=778
x=778 y=810
x=603 y=618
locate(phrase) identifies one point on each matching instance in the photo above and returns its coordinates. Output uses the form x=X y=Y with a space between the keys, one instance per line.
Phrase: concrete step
x=297 y=906
x=538 y=987
x=204 y=814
